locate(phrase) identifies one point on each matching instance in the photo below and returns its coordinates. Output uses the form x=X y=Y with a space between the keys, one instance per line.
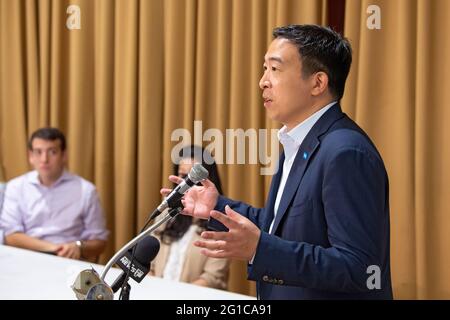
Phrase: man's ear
x=320 y=83
x=65 y=157
x=30 y=154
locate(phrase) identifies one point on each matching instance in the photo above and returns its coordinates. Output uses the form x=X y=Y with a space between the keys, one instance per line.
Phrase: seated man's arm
x=21 y=240
x=95 y=234
x=91 y=249
x=11 y=221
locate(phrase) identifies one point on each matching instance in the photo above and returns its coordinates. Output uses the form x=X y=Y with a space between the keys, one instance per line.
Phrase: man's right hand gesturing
x=198 y=200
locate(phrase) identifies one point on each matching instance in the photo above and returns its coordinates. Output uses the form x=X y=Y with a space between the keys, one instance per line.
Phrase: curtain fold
x=137 y=70
x=397 y=91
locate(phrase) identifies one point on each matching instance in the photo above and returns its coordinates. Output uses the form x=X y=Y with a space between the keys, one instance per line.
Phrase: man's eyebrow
x=49 y=148
x=275 y=58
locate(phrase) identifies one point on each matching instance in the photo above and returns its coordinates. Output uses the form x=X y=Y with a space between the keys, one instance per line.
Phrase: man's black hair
x=49 y=134
x=321 y=49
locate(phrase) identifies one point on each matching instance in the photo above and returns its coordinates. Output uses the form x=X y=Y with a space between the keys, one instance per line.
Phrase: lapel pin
x=305 y=155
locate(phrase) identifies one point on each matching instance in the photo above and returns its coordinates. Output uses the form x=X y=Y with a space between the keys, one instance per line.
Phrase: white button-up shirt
x=67 y=211
x=177 y=256
x=291 y=141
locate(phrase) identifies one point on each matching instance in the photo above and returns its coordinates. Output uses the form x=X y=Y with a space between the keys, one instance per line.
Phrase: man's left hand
x=239 y=242
x=69 y=250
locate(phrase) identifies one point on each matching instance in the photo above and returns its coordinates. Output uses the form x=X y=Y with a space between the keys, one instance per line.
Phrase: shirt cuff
x=253 y=258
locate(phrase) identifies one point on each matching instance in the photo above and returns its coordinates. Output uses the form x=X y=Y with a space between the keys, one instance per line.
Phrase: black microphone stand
x=125 y=292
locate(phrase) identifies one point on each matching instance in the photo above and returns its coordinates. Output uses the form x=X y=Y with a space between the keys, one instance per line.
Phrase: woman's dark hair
x=176 y=228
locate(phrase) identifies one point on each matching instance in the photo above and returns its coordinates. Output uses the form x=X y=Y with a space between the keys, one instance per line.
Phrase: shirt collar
x=292 y=139
x=33 y=177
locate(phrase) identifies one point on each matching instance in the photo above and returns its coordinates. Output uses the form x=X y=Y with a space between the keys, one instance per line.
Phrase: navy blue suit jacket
x=332 y=222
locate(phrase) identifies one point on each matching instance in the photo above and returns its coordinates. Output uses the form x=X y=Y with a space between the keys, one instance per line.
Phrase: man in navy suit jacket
x=324 y=232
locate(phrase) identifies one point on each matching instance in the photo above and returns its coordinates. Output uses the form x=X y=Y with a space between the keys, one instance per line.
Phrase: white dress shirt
x=177 y=255
x=291 y=141
x=67 y=211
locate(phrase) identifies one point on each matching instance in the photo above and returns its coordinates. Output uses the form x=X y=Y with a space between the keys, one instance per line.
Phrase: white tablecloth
x=30 y=275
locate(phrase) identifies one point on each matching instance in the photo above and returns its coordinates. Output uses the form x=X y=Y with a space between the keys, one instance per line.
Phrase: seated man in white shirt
x=51 y=210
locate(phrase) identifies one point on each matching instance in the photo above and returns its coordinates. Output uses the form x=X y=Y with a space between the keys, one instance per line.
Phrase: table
x=29 y=275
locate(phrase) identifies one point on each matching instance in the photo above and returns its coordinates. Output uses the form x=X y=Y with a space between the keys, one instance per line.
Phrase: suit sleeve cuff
x=221 y=203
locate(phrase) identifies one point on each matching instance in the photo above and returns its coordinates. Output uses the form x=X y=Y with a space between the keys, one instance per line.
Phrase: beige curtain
x=137 y=70
x=398 y=92
x=133 y=73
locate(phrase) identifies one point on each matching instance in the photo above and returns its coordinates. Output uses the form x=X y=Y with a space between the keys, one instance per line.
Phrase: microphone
x=197 y=174
x=146 y=250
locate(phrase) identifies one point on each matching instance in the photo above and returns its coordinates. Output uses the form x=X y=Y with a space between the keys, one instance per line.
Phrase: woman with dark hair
x=178 y=258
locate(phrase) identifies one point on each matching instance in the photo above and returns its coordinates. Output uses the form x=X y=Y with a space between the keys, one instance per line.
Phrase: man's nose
x=263 y=82
x=44 y=156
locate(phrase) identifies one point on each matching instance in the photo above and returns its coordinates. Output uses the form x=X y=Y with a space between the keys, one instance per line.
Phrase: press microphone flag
x=146 y=250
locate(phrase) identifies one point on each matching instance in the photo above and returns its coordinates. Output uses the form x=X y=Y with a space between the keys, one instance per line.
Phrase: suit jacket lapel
x=304 y=155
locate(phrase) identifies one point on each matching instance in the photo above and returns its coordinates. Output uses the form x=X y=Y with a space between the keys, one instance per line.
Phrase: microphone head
x=198 y=173
x=146 y=250
x=137 y=267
